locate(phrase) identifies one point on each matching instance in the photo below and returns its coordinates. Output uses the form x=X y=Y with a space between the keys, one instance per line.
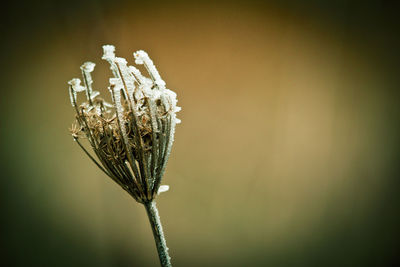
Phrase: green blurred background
x=287 y=154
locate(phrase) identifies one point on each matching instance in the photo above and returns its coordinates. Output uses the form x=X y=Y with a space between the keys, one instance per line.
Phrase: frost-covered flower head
x=133 y=136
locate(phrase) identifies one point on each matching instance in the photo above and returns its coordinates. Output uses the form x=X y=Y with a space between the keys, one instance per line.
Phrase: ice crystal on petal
x=88 y=66
x=108 y=52
x=94 y=94
x=163 y=188
x=126 y=76
x=76 y=85
x=143 y=58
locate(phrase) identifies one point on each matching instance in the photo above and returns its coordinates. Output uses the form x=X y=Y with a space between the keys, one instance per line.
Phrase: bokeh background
x=287 y=154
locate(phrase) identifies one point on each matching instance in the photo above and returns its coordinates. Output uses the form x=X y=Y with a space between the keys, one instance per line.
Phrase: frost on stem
x=141 y=57
x=132 y=137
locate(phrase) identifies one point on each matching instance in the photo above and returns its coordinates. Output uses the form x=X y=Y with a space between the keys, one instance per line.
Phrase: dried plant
x=132 y=137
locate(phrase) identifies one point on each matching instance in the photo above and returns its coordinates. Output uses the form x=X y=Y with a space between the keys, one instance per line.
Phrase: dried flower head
x=133 y=136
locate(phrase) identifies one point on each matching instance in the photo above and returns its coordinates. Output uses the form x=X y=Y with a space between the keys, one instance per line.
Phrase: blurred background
x=287 y=154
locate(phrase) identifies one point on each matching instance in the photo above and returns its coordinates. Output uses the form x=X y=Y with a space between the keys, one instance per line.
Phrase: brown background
x=286 y=156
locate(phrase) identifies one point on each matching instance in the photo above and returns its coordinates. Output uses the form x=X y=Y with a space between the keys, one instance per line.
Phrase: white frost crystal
x=76 y=85
x=123 y=70
x=163 y=188
x=88 y=66
x=108 y=52
x=142 y=58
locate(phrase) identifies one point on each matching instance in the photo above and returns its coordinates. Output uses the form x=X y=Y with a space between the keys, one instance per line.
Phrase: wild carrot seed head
x=132 y=136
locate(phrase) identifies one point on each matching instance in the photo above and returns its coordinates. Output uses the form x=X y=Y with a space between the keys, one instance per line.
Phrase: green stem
x=158 y=233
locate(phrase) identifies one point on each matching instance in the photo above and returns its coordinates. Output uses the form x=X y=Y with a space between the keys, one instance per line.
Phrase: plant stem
x=158 y=233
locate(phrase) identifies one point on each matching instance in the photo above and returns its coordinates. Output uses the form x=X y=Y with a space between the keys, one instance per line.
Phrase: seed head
x=132 y=136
